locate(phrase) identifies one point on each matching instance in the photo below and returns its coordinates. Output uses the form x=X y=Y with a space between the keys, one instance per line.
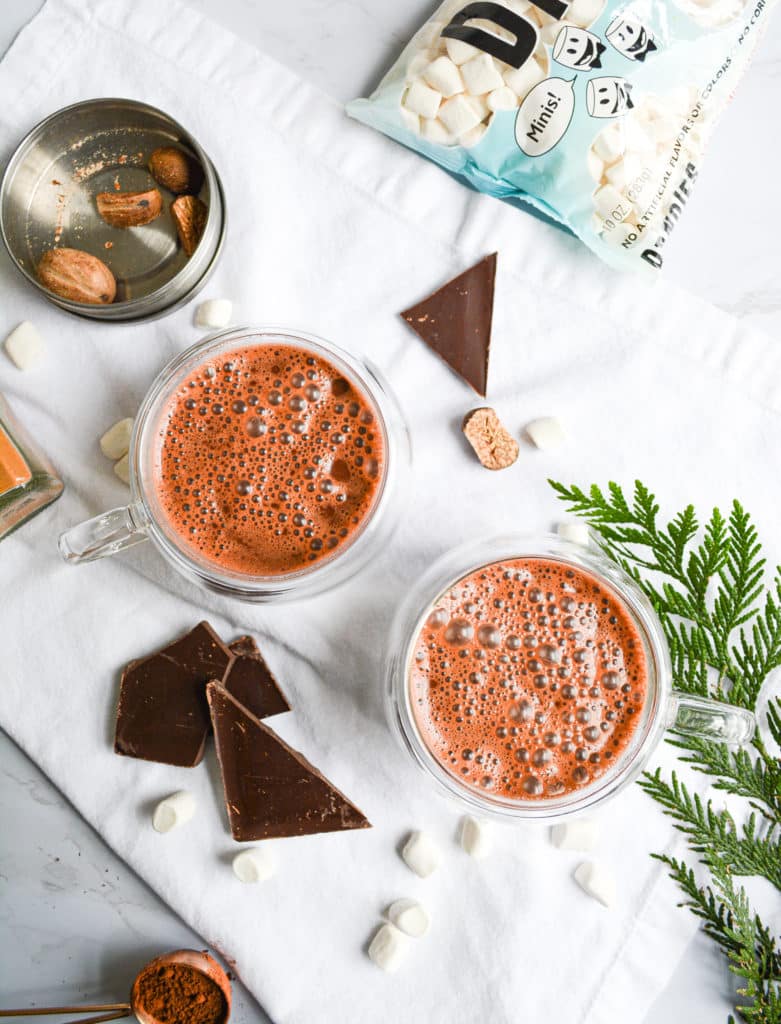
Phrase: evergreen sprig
x=722 y=623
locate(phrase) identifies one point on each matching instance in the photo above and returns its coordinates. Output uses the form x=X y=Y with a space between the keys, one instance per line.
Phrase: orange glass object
x=14 y=471
x=28 y=481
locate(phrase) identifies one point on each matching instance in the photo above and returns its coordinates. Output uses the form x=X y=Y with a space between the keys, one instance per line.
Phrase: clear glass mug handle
x=711 y=719
x=104 y=535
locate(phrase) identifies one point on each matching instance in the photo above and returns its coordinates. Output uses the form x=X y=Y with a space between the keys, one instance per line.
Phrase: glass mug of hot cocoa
x=264 y=464
x=531 y=679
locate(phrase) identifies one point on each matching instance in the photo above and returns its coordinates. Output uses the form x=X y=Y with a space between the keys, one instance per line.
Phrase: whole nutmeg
x=77 y=275
x=176 y=170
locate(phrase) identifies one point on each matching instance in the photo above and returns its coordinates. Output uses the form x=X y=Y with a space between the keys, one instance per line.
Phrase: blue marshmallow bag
x=596 y=112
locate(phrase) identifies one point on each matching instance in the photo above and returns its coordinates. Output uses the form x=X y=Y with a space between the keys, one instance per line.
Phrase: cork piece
x=494 y=447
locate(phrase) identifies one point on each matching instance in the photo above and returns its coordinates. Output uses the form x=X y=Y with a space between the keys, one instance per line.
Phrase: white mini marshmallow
x=664 y=129
x=410 y=917
x=502 y=99
x=433 y=130
x=459 y=52
x=479 y=105
x=521 y=80
x=388 y=948
x=583 y=12
x=254 y=865
x=545 y=432
x=214 y=313
x=421 y=854
x=576 y=532
x=24 y=346
x=122 y=469
x=116 y=441
x=410 y=120
x=473 y=136
x=423 y=100
x=610 y=144
x=443 y=75
x=595 y=879
x=416 y=65
x=481 y=75
x=175 y=810
x=609 y=202
x=624 y=172
x=595 y=166
x=637 y=139
x=476 y=837
x=458 y=115
x=580 y=834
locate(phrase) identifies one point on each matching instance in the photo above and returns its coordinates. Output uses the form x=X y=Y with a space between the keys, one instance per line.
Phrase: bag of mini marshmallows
x=595 y=111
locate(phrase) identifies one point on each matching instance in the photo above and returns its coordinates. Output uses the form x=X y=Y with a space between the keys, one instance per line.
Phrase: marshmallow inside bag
x=595 y=879
x=459 y=115
x=214 y=313
x=481 y=75
x=122 y=469
x=502 y=99
x=410 y=917
x=575 y=531
x=254 y=865
x=523 y=79
x=175 y=810
x=545 y=432
x=608 y=202
x=433 y=130
x=473 y=136
x=459 y=52
x=476 y=838
x=579 y=834
x=421 y=854
x=116 y=441
x=443 y=75
x=422 y=99
x=25 y=346
x=388 y=948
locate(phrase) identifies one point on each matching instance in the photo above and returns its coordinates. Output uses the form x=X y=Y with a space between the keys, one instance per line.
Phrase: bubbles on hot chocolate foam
x=487 y=711
x=252 y=444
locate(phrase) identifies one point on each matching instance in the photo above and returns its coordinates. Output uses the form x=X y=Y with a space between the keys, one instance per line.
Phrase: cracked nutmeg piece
x=493 y=445
x=162 y=713
x=189 y=215
x=455 y=322
x=129 y=209
x=271 y=791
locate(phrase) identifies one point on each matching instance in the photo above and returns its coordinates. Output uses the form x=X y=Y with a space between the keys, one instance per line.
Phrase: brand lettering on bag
x=526 y=35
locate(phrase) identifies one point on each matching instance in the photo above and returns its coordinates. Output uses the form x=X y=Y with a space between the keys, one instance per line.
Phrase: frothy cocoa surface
x=268 y=460
x=528 y=679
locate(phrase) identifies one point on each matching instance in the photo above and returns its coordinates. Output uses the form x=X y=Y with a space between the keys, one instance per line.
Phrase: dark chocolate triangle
x=271 y=790
x=251 y=682
x=162 y=713
x=455 y=322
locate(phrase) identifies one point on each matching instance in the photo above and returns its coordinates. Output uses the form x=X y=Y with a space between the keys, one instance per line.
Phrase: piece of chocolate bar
x=162 y=713
x=271 y=790
x=455 y=322
x=252 y=683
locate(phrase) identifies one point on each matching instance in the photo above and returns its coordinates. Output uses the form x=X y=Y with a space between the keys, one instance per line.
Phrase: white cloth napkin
x=335 y=229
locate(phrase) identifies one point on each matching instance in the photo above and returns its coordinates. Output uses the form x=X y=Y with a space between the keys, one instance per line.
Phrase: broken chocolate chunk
x=271 y=790
x=244 y=645
x=250 y=681
x=162 y=713
x=455 y=322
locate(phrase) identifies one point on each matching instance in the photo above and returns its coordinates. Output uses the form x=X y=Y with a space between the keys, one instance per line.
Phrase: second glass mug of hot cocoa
x=530 y=679
x=265 y=464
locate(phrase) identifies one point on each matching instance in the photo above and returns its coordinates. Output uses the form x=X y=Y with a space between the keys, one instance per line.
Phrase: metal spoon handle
x=40 y=1011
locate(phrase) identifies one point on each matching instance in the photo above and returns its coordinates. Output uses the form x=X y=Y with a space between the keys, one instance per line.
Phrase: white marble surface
x=74 y=921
